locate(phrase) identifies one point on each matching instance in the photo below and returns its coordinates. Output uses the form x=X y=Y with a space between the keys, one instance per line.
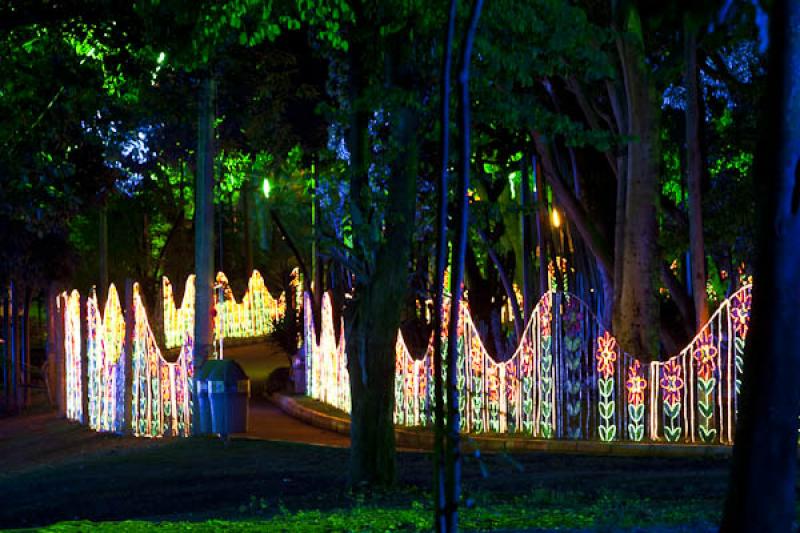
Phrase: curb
x=423 y=440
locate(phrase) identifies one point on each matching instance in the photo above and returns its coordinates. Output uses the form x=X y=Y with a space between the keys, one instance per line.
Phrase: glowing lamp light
x=555 y=218
x=266 y=187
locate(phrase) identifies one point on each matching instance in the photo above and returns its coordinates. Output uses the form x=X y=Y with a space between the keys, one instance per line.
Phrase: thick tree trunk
x=636 y=320
x=374 y=323
x=694 y=176
x=441 y=265
x=374 y=313
x=516 y=313
x=452 y=478
x=204 y=227
x=762 y=491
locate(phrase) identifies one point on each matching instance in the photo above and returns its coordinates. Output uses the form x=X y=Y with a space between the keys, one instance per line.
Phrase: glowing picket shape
x=327 y=378
x=71 y=305
x=105 y=363
x=177 y=320
x=161 y=390
x=568 y=378
x=254 y=316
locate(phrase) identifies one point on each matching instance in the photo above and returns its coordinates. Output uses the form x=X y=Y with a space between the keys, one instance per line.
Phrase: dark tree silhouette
x=762 y=494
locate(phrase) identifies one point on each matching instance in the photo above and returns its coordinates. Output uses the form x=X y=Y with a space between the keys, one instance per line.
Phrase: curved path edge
x=423 y=440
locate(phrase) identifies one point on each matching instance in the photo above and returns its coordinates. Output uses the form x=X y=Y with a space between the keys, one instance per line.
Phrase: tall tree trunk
x=636 y=319
x=102 y=292
x=762 y=493
x=527 y=241
x=539 y=197
x=375 y=320
x=441 y=265
x=694 y=175
x=204 y=227
x=516 y=313
x=453 y=438
x=373 y=313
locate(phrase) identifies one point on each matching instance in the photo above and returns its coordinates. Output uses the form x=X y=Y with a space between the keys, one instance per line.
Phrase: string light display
x=672 y=385
x=254 y=316
x=606 y=358
x=161 y=390
x=557 y=384
x=705 y=354
x=636 y=385
x=105 y=362
x=71 y=307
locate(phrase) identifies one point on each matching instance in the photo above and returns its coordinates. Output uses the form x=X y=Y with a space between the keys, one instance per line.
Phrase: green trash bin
x=228 y=395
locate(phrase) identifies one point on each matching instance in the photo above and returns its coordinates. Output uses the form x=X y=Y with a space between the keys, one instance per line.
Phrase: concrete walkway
x=268 y=422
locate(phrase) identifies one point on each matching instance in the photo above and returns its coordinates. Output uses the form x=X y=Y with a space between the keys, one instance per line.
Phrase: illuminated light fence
x=160 y=401
x=254 y=316
x=70 y=307
x=106 y=365
x=161 y=391
x=568 y=378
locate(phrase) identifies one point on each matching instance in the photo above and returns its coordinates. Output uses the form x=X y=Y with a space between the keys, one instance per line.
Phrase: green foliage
x=539 y=509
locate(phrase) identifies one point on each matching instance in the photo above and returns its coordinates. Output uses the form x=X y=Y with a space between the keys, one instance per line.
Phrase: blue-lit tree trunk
x=762 y=493
x=441 y=265
x=453 y=438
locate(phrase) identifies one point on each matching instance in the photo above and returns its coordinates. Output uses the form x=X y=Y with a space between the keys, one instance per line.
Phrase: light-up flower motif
x=475 y=357
x=740 y=313
x=706 y=355
x=671 y=381
x=409 y=377
x=545 y=315
x=526 y=359
x=493 y=383
x=606 y=355
x=636 y=384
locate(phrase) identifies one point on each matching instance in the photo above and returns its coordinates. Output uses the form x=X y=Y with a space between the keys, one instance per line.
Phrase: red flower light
x=671 y=381
x=706 y=355
x=636 y=384
x=606 y=355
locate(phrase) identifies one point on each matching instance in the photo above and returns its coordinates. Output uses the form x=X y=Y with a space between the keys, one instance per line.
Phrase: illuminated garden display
x=567 y=379
x=254 y=316
x=70 y=307
x=160 y=390
x=106 y=365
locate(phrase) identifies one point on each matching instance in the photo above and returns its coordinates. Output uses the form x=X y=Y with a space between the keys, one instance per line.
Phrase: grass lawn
x=202 y=484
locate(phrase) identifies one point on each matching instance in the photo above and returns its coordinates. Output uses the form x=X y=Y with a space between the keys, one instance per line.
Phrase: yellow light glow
x=555 y=218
